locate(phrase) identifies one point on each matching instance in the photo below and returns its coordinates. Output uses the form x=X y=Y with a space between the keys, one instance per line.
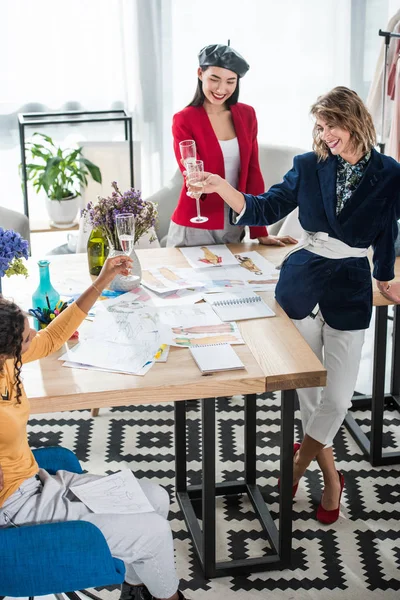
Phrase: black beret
x=219 y=55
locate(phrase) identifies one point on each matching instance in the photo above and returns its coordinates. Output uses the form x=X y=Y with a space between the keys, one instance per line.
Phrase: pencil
x=48 y=301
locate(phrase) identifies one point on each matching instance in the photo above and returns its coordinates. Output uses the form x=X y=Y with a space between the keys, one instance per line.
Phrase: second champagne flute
x=195 y=176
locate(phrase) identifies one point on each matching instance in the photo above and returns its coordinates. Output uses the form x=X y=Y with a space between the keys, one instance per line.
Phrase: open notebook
x=216 y=357
x=239 y=306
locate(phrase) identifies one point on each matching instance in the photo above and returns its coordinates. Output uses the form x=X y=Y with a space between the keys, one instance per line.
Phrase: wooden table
x=276 y=358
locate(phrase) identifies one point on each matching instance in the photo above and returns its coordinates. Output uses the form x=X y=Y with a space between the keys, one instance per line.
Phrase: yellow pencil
x=160 y=351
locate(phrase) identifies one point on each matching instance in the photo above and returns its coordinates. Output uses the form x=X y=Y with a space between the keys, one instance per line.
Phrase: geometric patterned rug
x=356 y=558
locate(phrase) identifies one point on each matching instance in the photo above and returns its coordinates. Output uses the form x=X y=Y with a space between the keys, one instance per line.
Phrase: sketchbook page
x=256 y=266
x=209 y=256
x=119 y=493
x=254 y=272
x=120 y=340
x=219 y=357
x=168 y=279
x=184 y=326
x=237 y=306
x=114 y=357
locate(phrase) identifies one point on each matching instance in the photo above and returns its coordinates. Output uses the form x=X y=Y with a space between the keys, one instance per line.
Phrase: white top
x=230 y=150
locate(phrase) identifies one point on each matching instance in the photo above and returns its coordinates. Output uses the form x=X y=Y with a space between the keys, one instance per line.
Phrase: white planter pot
x=62 y=212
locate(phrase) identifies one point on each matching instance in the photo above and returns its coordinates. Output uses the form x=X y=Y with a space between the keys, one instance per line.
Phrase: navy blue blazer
x=341 y=287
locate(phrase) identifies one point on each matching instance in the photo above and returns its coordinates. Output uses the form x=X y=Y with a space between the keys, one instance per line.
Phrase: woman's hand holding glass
x=211 y=183
x=195 y=179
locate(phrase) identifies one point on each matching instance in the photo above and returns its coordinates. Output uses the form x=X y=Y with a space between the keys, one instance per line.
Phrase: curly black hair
x=12 y=324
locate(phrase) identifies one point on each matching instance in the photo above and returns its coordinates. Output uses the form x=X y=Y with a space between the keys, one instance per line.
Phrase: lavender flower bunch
x=102 y=214
x=13 y=248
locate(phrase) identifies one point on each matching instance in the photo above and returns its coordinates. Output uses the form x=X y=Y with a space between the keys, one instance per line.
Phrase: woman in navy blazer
x=225 y=132
x=349 y=199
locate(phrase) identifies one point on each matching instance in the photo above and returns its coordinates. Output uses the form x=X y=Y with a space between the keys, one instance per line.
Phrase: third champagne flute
x=125 y=225
x=195 y=177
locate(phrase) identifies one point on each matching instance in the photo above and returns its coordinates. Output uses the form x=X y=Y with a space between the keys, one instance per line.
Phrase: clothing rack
x=387 y=35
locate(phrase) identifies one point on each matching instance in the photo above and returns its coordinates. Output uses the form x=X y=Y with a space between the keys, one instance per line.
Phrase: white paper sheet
x=252 y=271
x=121 y=339
x=119 y=493
x=200 y=257
x=184 y=326
x=168 y=279
x=140 y=298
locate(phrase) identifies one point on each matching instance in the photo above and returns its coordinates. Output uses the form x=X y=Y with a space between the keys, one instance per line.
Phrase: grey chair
x=10 y=219
x=275 y=161
x=167 y=199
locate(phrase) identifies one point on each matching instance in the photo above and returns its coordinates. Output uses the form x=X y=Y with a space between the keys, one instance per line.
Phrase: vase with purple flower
x=104 y=214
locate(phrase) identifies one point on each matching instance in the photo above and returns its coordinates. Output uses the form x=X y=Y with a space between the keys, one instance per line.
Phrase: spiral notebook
x=239 y=306
x=216 y=357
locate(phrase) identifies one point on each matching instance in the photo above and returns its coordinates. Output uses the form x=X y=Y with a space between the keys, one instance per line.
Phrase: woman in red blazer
x=225 y=132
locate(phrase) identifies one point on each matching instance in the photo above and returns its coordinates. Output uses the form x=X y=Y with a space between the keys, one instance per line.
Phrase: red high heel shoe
x=327 y=517
x=294 y=488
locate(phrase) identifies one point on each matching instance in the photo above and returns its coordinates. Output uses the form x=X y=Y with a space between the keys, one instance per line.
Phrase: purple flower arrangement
x=101 y=214
x=13 y=248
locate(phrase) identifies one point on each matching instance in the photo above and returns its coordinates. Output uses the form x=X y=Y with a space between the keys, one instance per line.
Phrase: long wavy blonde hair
x=345 y=109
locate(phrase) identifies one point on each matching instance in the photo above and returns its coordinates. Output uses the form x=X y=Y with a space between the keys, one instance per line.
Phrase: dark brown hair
x=12 y=324
x=199 y=96
x=345 y=109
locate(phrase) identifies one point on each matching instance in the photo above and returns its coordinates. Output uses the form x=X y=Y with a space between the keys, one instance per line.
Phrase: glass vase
x=122 y=283
x=97 y=251
x=45 y=295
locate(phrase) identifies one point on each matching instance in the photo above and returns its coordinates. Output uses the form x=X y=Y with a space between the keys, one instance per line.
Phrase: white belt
x=322 y=244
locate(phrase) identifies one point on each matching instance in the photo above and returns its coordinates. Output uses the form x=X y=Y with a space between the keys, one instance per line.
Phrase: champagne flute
x=195 y=177
x=188 y=153
x=125 y=226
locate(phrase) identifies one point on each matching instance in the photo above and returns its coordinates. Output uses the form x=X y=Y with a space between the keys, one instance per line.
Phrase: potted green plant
x=61 y=173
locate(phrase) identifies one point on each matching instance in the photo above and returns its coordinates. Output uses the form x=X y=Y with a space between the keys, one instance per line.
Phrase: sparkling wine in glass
x=188 y=154
x=125 y=225
x=195 y=177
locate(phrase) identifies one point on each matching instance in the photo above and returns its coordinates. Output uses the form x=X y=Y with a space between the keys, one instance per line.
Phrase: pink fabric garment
x=374 y=100
x=393 y=144
x=391 y=85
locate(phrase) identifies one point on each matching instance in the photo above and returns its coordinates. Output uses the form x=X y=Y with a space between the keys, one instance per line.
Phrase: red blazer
x=192 y=123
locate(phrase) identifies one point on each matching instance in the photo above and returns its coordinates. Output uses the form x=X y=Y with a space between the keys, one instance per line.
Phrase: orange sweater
x=16 y=458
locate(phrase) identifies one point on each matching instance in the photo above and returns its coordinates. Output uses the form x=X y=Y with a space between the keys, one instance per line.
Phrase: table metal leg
x=180 y=447
x=204 y=540
x=250 y=438
x=208 y=492
x=373 y=448
x=395 y=379
x=378 y=385
x=286 y=477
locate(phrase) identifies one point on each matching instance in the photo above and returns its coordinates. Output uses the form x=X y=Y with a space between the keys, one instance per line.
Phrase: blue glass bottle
x=45 y=290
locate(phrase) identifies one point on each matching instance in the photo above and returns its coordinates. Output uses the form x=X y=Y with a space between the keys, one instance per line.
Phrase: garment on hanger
x=374 y=100
x=393 y=144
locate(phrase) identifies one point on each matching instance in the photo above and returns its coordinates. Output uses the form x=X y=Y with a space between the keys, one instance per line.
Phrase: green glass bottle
x=97 y=251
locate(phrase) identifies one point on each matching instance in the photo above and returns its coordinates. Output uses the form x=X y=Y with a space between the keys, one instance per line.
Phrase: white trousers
x=323 y=409
x=142 y=541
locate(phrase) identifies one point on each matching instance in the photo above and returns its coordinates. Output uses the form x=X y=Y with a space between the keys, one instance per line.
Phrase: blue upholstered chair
x=56 y=558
